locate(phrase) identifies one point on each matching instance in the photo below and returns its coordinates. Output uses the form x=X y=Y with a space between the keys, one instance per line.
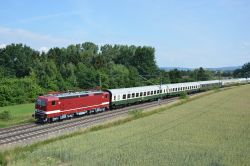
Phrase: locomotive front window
x=41 y=102
x=38 y=102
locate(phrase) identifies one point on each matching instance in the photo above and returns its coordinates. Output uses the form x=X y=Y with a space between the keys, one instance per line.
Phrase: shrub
x=136 y=113
x=183 y=95
x=216 y=88
x=2 y=159
x=5 y=115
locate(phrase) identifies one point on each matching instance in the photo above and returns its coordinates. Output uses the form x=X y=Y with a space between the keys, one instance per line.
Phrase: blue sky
x=194 y=33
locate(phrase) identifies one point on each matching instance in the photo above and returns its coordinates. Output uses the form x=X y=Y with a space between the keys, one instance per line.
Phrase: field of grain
x=19 y=114
x=212 y=130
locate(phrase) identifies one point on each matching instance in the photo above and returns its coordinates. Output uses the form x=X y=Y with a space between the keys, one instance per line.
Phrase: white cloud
x=45 y=17
x=44 y=49
x=35 y=40
x=245 y=45
x=2 y=46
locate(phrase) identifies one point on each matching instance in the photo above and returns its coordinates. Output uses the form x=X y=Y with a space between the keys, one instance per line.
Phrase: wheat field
x=213 y=130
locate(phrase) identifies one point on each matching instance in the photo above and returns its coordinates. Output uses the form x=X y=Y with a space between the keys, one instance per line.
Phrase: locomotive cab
x=44 y=106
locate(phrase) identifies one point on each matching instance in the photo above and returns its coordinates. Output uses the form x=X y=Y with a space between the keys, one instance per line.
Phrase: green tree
x=175 y=76
x=243 y=72
x=144 y=60
x=18 y=59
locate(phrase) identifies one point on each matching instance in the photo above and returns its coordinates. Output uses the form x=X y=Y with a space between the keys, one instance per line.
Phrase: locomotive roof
x=72 y=94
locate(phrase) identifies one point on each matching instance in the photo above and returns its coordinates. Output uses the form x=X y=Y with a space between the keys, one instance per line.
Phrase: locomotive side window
x=53 y=102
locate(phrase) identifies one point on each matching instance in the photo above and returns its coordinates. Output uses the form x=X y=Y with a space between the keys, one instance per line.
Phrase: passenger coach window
x=53 y=102
x=141 y=94
x=137 y=94
x=133 y=95
x=145 y=93
x=152 y=92
x=124 y=97
x=148 y=93
x=128 y=96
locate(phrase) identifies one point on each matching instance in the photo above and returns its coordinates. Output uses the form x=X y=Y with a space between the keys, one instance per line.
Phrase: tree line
x=244 y=72
x=26 y=73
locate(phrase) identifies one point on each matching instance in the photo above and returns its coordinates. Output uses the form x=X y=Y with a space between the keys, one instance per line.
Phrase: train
x=59 y=106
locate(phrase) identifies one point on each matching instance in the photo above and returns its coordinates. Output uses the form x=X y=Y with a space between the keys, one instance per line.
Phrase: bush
x=5 y=115
x=183 y=95
x=2 y=159
x=17 y=91
x=216 y=88
x=136 y=113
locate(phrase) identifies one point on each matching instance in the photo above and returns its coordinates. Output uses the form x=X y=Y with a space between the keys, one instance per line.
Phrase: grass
x=213 y=130
x=19 y=114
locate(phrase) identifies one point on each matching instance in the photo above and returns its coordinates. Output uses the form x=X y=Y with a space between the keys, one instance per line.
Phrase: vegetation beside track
x=212 y=130
x=18 y=114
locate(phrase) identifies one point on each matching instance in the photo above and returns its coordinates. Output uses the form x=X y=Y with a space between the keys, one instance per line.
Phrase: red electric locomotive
x=60 y=106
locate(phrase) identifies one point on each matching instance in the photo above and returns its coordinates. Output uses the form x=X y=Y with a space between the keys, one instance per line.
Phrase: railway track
x=28 y=133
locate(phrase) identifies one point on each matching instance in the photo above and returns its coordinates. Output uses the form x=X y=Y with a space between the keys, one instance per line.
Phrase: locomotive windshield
x=40 y=102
